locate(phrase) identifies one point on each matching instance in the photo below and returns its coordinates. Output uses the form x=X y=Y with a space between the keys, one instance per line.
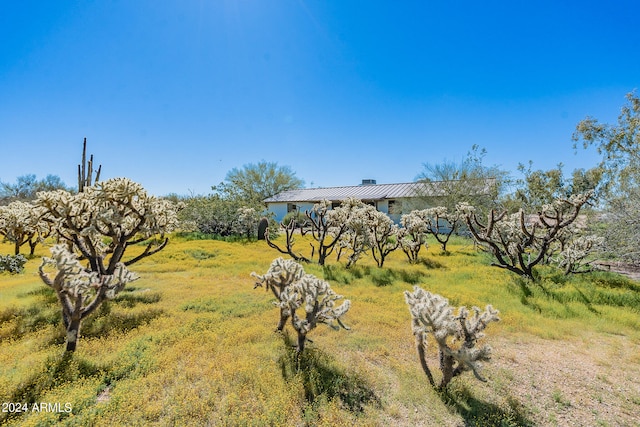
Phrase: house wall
x=304 y=206
x=279 y=209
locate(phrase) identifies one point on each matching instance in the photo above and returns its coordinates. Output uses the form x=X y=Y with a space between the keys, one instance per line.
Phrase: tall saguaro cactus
x=85 y=170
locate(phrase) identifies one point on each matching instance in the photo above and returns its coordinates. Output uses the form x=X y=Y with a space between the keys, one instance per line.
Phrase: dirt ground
x=593 y=381
x=630 y=270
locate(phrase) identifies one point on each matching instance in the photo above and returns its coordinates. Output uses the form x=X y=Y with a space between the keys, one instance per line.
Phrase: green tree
x=469 y=181
x=27 y=186
x=538 y=187
x=619 y=145
x=256 y=182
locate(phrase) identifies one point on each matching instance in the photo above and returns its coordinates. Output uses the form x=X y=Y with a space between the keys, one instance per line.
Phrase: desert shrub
x=210 y=215
x=297 y=216
x=12 y=263
x=220 y=219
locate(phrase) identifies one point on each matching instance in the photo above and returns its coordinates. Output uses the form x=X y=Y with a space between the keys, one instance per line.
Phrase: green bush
x=12 y=263
x=299 y=217
x=210 y=215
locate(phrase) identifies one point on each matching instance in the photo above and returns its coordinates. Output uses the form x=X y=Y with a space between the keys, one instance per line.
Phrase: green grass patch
x=199 y=254
x=323 y=379
x=233 y=306
x=192 y=343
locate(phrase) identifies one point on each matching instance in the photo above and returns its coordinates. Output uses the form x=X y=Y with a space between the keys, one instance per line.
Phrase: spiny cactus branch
x=432 y=315
x=289 y=231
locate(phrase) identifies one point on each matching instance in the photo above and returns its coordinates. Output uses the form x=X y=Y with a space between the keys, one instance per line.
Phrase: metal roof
x=362 y=192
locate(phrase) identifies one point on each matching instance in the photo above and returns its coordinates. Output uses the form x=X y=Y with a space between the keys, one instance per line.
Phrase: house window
x=394 y=207
x=335 y=204
x=291 y=207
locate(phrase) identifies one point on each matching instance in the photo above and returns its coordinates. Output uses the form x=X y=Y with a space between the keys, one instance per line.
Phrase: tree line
x=234 y=206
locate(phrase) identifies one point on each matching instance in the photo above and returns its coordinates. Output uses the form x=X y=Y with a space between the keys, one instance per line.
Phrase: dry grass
x=192 y=343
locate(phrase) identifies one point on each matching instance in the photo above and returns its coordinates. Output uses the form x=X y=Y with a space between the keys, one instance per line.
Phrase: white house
x=392 y=199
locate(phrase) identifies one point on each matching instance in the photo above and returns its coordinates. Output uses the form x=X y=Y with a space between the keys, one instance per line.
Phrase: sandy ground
x=590 y=382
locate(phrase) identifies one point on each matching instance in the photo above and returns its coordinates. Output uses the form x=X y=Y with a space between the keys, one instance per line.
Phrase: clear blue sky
x=174 y=94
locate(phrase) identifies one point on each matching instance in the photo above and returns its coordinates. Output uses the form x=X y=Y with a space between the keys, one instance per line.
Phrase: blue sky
x=174 y=94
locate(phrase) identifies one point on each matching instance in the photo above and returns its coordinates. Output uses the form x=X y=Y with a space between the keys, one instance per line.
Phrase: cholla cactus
x=289 y=231
x=366 y=228
x=20 y=223
x=327 y=226
x=281 y=274
x=345 y=212
x=247 y=221
x=100 y=224
x=466 y=209
x=108 y=218
x=80 y=290
x=356 y=237
x=318 y=302
x=438 y=221
x=519 y=242
x=574 y=256
x=383 y=235
x=309 y=301
x=412 y=235
x=456 y=336
x=352 y=225
x=441 y=223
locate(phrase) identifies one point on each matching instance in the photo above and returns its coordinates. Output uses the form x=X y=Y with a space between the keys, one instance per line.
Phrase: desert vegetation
x=296 y=292
x=191 y=342
x=432 y=315
x=185 y=339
